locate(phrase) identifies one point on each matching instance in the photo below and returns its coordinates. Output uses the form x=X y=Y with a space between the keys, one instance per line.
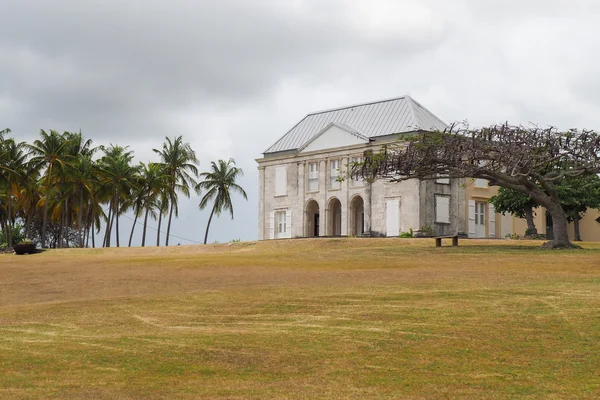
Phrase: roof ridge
x=358 y=105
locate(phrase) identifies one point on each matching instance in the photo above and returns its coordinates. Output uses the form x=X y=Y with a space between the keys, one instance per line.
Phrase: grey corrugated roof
x=380 y=118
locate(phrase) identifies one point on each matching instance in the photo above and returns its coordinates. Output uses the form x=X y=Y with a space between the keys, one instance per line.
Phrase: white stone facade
x=346 y=208
x=305 y=191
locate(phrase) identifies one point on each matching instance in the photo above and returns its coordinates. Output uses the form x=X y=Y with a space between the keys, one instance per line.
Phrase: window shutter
x=481 y=183
x=472 y=231
x=392 y=218
x=288 y=224
x=442 y=209
x=280 y=180
x=492 y=221
x=272 y=225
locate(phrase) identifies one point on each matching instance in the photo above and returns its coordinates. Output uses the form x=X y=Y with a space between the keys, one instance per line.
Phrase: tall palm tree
x=219 y=183
x=119 y=176
x=49 y=153
x=179 y=161
x=13 y=160
x=153 y=182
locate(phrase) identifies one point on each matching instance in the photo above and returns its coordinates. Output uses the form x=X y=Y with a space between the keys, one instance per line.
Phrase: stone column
x=323 y=187
x=300 y=214
x=261 y=203
x=345 y=231
x=367 y=201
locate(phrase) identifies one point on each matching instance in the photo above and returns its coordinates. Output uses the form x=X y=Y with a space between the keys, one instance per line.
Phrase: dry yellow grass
x=333 y=319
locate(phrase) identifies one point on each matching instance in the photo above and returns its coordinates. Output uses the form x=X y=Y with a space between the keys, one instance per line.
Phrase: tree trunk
x=560 y=224
x=117 y=211
x=158 y=231
x=169 y=223
x=145 y=225
x=9 y=228
x=108 y=219
x=208 y=225
x=531 y=229
x=133 y=228
x=27 y=224
x=44 y=221
x=3 y=225
x=80 y=227
x=576 y=227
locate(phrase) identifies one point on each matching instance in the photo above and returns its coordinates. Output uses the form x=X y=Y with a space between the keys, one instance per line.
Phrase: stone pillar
x=367 y=204
x=300 y=214
x=323 y=187
x=261 y=203
x=345 y=228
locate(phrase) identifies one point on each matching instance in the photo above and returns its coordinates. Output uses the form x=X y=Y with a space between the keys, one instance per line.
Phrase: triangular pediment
x=335 y=135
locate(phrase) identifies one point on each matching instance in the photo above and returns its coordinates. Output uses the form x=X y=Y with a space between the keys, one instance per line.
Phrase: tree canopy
x=529 y=160
x=60 y=190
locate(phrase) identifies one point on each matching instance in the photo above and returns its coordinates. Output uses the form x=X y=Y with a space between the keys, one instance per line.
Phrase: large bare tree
x=529 y=160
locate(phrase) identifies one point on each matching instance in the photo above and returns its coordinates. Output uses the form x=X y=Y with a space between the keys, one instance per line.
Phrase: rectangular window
x=443 y=181
x=334 y=173
x=480 y=213
x=442 y=209
x=280 y=180
x=356 y=180
x=481 y=183
x=313 y=177
x=281 y=222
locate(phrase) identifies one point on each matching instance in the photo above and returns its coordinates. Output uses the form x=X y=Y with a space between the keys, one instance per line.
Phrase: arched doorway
x=312 y=219
x=334 y=218
x=357 y=216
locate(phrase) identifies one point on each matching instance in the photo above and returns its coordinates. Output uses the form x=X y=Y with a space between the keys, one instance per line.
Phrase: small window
x=442 y=209
x=481 y=183
x=443 y=181
x=356 y=180
x=281 y=222
x=280 y=180
x=313 y=177
x=334 y=173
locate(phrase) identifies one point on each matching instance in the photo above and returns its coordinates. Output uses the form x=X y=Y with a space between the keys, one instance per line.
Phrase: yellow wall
x=482 y=195
x=589 y=227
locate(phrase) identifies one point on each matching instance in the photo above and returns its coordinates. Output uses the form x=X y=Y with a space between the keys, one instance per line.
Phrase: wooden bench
x=438 y=240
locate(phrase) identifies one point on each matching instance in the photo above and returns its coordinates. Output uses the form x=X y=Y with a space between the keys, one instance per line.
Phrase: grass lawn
x=302 y=319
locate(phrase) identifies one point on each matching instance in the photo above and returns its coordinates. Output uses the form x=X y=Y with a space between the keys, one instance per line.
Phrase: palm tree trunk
x=108 y=219
x=63 y=223
x=9 y=229
x=208 y=225
x=158 y=231
x=145 y=225
x=80 y=227
x=3 y=227
x=68 y=225
x=133 y=228
x=27 y=224
x=44 y=221
x=169 y=223
x=118 y=204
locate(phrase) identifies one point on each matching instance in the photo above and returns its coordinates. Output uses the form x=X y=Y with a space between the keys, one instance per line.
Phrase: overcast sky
x=232 y=76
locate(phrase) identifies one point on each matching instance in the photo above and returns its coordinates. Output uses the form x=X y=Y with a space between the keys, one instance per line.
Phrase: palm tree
x=49 y=153
x=219 y=183
x=119 y=177
x=179 y=161
x=153 y=182
x=13 y=161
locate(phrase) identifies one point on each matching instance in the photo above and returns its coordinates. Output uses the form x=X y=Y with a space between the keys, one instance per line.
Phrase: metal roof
x=380 y=118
